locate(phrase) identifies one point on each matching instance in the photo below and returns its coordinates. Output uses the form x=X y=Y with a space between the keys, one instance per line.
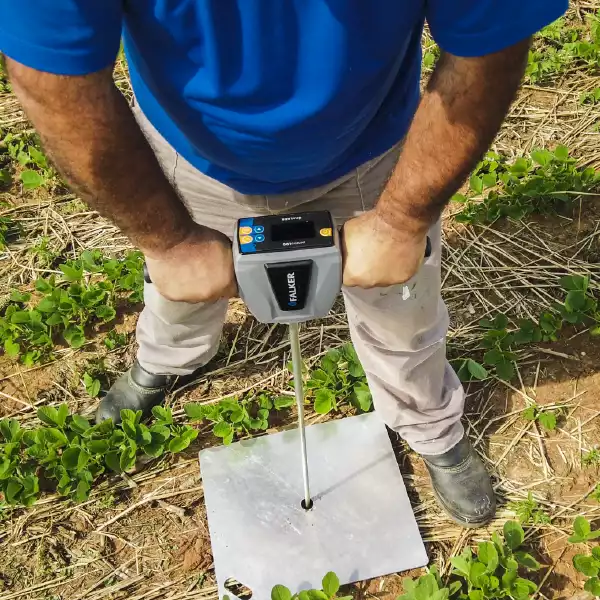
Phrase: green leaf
x=489 y=180
x=505 y=370
x=92 y=385
x=83 y=460
x=530 y=413
x=493 y=357
x=561 y=152
x=547 y=420
x=177 y=444
x=575 y=300
x=585 y=564
x=98 y=446
x=46 y=305
x=488 y=555
x=282 y=402
x=74 y=336
x=582 y=527
x=62 y=414
x=13 y=489
x=324 y=401
x=42 y=285
x=82 y=491
x=112 y=461
x=363 y=396
x=56 y=437
x=163 y=414
x=20 y=317
x=331 y=584
x=70 y=458
x=477 y=573
x=11 y=348
x=280 y=592
x=20 y=297
x=31 y=179
x=476 y=595
x=476 y=370
x=461 y=565
x=222 y=429
x=526 y=560
x=48 y=415
x=476 y=184
x=574 y=283
x=195 y=411
x=592 y=586
x=79 y=423
x=513 y=534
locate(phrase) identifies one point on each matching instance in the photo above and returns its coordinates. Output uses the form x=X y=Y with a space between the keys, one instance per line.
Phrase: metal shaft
x=299 y=389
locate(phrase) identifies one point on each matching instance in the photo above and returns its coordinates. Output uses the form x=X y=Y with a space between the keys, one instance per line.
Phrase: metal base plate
x=361 y=524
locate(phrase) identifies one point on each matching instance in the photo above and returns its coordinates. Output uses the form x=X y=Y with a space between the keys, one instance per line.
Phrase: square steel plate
x=361 y=524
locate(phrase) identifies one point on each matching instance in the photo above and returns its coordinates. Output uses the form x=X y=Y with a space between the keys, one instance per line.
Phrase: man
x=263 y=106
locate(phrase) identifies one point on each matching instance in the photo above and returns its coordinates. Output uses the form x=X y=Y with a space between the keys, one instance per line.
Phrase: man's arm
x=460 y=112
x=92 y=137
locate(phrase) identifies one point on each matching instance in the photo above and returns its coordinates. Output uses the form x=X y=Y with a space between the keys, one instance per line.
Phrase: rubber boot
x=462 y=485
x=138 y=390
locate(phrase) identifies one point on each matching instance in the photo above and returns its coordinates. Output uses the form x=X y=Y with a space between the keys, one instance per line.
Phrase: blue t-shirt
x=267 y=96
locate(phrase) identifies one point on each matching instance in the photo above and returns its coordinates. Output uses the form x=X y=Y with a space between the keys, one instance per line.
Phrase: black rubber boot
x=138 y=390
x=462 y=485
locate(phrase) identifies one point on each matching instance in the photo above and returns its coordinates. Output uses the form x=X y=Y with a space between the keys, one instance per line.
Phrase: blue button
x=259 y=229
x=259 y=238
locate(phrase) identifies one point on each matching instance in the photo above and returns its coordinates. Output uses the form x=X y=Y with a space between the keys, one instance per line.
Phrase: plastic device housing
x=288 y=267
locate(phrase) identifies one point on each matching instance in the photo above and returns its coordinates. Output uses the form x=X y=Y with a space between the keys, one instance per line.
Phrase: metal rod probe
x=299 y=389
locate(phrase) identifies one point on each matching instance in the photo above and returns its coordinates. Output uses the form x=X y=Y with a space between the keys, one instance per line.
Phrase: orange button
x=245 y=230
x=326 y=232
x=246 y=239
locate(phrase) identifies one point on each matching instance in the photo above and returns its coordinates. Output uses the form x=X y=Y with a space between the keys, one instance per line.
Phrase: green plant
x=588 y=564
x=8 y=228
x=114 y=339
x=330 y=588
x=231 y=417
x=591 y=458
x=529 y=512
x=492 y=572
x=592 y=97
x=562 y=46
x=544 y=182
x=582 y=531
x=546 y=417
x=70 y=453
x=87 y=294
x=26 y=151
x=339 y=378
x=595 y=495
x=579 y=305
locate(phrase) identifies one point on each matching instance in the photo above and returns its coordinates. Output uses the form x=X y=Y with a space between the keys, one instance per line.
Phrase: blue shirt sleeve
x=479 y=27
x=66 y=37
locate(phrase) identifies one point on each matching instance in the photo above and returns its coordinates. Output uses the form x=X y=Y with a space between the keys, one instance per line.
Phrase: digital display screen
x=294 y=230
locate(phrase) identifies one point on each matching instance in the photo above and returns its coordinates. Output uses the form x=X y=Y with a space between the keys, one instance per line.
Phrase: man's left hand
x=377 y=254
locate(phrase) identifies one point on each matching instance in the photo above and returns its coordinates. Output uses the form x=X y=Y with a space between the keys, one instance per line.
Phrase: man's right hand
x=197 y=269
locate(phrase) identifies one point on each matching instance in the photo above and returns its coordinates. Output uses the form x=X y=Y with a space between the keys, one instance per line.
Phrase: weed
x=490 y=573
x=529 y=512
x=71 y=453
x=591 y=458
x=44 y=253
x=544 y=182
x=592 y=97
x=546 y=417
x=595 y=495
x=114 y=339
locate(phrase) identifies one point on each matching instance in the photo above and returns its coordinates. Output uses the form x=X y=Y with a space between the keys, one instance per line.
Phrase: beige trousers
x=398 y=332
